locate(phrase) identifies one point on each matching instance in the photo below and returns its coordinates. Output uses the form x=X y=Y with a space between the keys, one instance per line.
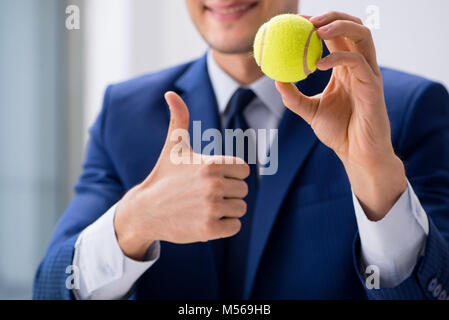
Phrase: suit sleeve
x=96 y=191
x=423 y=145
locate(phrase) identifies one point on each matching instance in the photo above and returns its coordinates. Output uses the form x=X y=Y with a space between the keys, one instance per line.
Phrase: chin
x=232 y=46
x=231 y=41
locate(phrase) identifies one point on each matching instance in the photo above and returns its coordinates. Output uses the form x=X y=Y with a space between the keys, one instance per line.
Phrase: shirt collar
x=224 y=87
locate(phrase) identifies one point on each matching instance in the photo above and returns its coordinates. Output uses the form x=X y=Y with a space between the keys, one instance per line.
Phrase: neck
x=240 y=66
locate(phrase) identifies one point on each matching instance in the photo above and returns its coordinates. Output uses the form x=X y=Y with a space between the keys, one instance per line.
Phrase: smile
x=229 y=11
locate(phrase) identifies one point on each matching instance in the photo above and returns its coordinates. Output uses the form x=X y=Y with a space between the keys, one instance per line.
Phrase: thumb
x=297 y=102
x=177 y=143
x=179 y=121
x=179 y=114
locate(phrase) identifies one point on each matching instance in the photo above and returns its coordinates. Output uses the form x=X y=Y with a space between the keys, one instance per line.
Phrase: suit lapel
x=296 y=140
x=195 y=88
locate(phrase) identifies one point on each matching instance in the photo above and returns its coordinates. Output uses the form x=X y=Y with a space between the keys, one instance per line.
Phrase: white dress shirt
x=393 y=244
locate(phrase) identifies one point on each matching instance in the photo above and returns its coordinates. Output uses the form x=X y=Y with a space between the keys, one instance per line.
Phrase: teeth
x=231 y=10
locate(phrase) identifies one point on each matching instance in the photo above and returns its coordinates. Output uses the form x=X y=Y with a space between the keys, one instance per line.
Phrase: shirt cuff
x=394 y=243
x=104 y=270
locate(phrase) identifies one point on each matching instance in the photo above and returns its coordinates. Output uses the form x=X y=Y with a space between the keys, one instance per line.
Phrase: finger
x=306 y=16
x=354 y=61
x=337 y=43
x=360 y=37
x=233 y=167
x=236 y=171
x=227 y=227
x=179 y=113
x=219 y=159
x=233 y=208
x=225 y=166
x=234 y=189
x=177 y=144
x=297 y=102
x=326 y=18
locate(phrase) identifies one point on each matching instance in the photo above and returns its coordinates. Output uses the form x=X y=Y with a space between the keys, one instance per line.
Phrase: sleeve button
x=432 y=285
x=437 y=290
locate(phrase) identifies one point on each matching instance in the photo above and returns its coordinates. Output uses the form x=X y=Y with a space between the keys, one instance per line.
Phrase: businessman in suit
x=362 y=178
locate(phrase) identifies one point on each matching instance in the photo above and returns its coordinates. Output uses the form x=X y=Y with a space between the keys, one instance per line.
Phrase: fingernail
x=321 y=61
x=324 y=29
x=317 y=18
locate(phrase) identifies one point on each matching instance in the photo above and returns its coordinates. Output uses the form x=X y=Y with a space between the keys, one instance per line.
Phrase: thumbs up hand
x=182 y=203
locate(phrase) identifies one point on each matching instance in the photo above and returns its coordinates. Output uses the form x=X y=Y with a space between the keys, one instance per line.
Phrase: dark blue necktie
x=236 y=247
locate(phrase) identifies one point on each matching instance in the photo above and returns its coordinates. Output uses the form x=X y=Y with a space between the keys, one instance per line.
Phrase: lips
x=230 y=11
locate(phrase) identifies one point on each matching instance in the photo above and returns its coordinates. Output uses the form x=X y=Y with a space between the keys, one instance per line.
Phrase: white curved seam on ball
x=263 y=44
x=306 y=51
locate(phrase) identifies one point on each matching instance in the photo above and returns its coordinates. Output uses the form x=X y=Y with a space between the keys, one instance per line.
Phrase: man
x=362 y=180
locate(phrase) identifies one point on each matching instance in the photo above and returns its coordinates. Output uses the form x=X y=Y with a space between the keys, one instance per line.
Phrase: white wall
x=131 y=37
x=162 y=35
x=107 y=29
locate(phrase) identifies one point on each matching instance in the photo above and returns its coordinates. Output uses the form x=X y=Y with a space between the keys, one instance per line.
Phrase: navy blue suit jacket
x=304 y=242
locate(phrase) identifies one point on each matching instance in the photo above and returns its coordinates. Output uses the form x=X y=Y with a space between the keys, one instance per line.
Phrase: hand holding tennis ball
x=287 y=48
x=350 y=115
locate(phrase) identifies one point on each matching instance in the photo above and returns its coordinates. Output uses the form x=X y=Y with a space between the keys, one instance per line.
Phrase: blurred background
x=52 y=81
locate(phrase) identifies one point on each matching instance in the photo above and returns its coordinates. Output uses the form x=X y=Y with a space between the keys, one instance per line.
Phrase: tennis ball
x=287 y=48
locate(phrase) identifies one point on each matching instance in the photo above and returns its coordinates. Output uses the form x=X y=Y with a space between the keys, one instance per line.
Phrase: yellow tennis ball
x=287 y=48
